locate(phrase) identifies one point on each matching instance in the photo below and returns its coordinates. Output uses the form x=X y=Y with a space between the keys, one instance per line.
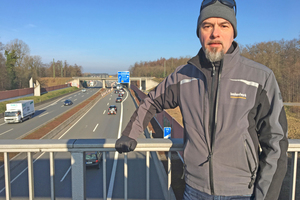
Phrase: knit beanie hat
x=218 y=9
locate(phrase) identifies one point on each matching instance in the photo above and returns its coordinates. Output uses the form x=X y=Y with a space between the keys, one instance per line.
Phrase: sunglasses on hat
x=229 y=3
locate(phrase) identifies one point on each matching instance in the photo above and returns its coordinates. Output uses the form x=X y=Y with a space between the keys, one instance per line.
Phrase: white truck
x=19 y=111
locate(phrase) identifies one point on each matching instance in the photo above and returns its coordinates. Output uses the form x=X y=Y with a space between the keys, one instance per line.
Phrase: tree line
x=283 y=57
x=17 y=66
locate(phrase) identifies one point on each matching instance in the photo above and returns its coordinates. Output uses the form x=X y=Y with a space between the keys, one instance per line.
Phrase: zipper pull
x=207 y=160
x=213 y=72
x=252 y=181
x=183 y=172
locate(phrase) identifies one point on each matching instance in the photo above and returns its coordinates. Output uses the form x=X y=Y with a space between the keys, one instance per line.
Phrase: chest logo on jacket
x=235 y=95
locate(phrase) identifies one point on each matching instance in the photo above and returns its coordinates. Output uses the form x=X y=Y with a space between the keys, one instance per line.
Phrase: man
x=231 y=108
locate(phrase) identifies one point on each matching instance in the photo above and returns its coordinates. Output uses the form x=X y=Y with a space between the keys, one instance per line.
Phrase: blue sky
x=107 y=36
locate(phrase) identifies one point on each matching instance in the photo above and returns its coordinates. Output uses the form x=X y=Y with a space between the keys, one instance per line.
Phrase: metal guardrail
x=77 y=147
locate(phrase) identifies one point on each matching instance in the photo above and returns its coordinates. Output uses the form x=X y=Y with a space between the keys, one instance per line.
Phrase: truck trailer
x=18 y=111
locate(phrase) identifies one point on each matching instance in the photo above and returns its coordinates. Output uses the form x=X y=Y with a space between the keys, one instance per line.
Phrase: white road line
x=95 y=128
x=113 y=172
x=6 y=131
x=75 y=99
x=2 y=124
x=22 y=172
x=44 y=114
x=107 y=104
x=104 y=112
x=109 y=98
x=63 y=178
x=78 y=120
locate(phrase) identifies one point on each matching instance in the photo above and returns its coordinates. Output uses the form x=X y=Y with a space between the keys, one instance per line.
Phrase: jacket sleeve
x=272 y=133
x=164 y=96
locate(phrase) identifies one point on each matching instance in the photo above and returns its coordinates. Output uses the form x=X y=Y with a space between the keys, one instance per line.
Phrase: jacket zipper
x=213 y=125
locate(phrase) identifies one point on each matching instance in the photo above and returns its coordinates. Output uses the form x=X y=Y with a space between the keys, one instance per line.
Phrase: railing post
x=78 y=175
x=293 y=178
x=169 y=175
x=125 y=176
x=30 y=176
x=104 y=175
x=52 y=175
x=148 y=175
x=7 y=176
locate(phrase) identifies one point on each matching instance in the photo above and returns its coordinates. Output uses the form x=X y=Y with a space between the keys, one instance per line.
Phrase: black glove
x=125 y=144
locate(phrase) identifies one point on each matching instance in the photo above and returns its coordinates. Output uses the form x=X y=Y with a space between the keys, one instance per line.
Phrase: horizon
x=106 y=37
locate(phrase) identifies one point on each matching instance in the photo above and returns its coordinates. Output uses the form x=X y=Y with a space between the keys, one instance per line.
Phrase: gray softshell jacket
x=243 y=149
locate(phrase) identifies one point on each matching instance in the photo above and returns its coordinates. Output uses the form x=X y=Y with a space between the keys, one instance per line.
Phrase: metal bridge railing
x=78 y=147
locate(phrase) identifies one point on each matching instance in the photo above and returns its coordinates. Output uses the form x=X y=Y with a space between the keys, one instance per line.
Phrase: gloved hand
x=125 y=144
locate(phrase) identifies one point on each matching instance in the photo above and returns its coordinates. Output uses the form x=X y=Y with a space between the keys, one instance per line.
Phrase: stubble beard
x=214 y=55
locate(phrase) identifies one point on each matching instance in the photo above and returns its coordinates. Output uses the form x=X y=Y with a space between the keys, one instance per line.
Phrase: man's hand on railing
x=125 y=144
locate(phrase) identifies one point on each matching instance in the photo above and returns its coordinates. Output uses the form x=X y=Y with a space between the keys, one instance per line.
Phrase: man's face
x=216 y=36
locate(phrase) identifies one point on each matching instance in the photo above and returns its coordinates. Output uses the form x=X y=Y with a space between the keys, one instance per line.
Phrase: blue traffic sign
x=167 y=132
x=123 y=77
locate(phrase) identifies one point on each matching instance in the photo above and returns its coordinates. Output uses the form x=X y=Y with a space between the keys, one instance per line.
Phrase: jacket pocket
x=252 y=162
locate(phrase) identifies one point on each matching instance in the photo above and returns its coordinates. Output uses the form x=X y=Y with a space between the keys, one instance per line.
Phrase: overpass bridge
x=145 y=83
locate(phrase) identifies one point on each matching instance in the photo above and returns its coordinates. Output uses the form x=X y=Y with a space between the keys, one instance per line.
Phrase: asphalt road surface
x=96 y=123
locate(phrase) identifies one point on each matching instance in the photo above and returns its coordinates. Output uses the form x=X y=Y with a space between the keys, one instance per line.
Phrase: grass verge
x=38 y=99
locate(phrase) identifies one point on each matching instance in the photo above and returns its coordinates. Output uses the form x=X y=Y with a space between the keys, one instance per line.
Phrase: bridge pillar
x=103 y=83
x=140 y=84
x=37 y=89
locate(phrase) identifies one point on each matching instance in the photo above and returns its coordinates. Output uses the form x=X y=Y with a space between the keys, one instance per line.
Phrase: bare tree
x=21 y=50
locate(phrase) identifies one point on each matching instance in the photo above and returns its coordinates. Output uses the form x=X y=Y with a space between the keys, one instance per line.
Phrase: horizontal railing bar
x=81 y=145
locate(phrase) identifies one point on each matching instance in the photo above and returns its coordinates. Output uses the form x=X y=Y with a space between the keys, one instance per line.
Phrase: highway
x=43 y=114
x=94 y=124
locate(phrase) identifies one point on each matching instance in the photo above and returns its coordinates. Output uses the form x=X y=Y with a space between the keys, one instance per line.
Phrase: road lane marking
x=44 y=114
x=107 y=104
x=104 y=112
x=6 y=131
x=75 y=99
x=95 y=128
x=78 y=120
x=113 y=172
x=63 y=178
x=2 y=124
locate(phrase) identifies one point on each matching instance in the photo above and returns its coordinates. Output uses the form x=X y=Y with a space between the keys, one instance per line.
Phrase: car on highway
x=118 y=100
x=120 y=95
x=83 y=90
x=122 y=91
x=68 y=102
x=116 y=91
x=93 y=159
x=112 y=110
